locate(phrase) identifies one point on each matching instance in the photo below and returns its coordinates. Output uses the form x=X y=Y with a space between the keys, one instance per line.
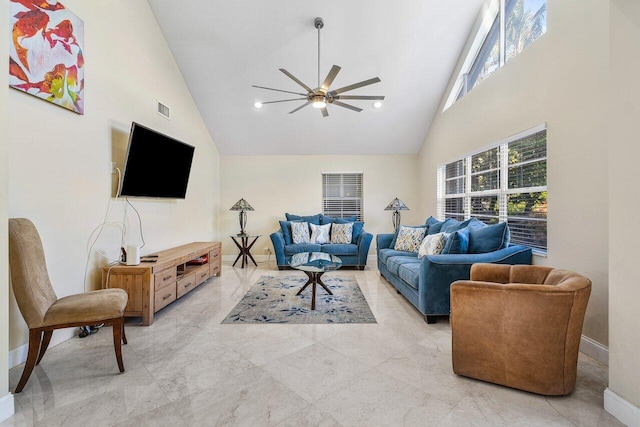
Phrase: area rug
x=273 y=299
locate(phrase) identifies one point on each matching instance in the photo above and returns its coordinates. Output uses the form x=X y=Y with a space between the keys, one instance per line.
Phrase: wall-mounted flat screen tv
x=156 y=165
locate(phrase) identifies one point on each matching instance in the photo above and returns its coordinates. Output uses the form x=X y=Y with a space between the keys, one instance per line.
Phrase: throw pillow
x=320 y=233
x=453 y=225
x=285 y=226
x=395 y=235
x=341 y=233
x=489 y=238
x=311 y=219
x=457 y=242
x=432 y=244
x=437 y=227
x=357 y=228
x=430 y=221
x=409 y=238
x=300 y=232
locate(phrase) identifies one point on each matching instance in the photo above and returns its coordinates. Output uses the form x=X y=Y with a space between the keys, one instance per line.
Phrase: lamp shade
x=396 y=205
x=241 y=205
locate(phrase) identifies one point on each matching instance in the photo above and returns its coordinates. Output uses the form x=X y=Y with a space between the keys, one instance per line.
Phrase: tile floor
x=189 y=370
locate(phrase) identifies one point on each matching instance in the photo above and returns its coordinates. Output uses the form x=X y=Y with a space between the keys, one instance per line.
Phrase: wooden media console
x=151 y=286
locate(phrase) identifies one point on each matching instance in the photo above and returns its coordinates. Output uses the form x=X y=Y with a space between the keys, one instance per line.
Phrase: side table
x=245 y=242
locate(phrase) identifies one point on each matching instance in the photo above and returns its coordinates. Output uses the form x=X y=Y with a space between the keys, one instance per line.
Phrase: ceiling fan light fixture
x=377 y=104
x=318 y=101
x=257 y=104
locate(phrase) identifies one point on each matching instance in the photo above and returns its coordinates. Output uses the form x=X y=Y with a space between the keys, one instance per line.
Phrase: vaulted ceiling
x=225 y=47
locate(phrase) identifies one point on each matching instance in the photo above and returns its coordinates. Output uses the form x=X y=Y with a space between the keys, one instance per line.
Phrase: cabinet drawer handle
x=187 y=285
x=167 y=277
x=167 y=296
x=203 y=275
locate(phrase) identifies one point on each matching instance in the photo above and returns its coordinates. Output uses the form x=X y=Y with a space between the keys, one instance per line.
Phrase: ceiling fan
x=321 y=95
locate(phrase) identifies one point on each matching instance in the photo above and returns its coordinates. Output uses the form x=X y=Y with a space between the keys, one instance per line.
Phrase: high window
x=507 y=182
x=342 y=195
x=506 y=30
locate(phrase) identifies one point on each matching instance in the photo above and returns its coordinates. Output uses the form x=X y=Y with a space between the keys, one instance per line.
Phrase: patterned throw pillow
x=320 y=233
x=409 y=238
x=433 y=244
x=341 y=233
x=300 y=232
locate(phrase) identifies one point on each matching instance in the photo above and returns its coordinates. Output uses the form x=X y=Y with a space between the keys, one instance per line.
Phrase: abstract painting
x=45 y=54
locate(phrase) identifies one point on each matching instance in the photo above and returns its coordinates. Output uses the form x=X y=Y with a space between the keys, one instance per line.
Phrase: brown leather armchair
x=41 y=308
x=519 y=326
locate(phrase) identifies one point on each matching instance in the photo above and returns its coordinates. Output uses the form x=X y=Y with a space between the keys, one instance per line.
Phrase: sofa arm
x=438 y=272
x=383 y=241
x=277 y=238
x=363 y=242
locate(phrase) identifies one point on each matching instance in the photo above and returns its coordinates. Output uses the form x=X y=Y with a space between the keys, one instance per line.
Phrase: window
x=507 y=182
x=501 y=36
x=342 y=195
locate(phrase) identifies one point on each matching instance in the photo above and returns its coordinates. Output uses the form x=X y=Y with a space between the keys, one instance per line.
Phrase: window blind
x=342 y=195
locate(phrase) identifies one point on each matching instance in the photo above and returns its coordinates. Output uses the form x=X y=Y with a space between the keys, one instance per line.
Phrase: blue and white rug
x=273 y=299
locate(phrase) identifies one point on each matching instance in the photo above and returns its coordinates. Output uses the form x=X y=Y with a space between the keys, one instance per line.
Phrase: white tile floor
x=188 y=369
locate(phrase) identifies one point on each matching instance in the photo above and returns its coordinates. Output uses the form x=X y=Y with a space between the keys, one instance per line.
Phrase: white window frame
x=328 y=201
x=502 y=192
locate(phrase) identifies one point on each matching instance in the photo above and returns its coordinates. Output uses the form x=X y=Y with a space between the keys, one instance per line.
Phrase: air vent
x=163 y=110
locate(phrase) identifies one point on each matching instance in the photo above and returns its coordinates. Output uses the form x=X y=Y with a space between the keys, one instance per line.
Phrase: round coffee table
x=315 y=264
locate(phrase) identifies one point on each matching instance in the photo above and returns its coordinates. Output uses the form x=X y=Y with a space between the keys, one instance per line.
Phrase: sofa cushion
x=304 y=247
x=437 y=227
x=410 y=273
x=341 y=233
x=311 y=219
x=340 y=249
x=430 y=221
x=384 y=254
x=394 y=262
x=285 y=226
x=395 y=234
x=409 y=238
x=488 y=238
x=457 y=242
x=329 y=220
x=300 y=232
x=453 y=225
x=357 y=228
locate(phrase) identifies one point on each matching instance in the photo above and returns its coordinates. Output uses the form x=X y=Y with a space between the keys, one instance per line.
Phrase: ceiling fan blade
x=342 y=104
x=279 y=90
x=284 y=100
x=379 y=98
x=330 y=77
x=300 y=107
x=325 y=113
x=292 y=77
x=355 y=86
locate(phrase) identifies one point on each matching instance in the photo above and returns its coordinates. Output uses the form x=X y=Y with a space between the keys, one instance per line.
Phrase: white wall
x=624 y=153
x=59 y=161
x=274 y=185
x=561 y=79
x=6 y=399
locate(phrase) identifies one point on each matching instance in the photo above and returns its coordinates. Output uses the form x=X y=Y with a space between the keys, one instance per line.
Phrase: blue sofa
x=352 y=254
x=426 y=281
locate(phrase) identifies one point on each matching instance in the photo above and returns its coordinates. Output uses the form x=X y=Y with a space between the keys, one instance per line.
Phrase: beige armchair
x=43 y=311
x=519 y=326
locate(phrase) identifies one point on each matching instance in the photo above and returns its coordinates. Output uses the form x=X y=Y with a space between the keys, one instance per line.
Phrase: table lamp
x=396 y=206
x=243 y=206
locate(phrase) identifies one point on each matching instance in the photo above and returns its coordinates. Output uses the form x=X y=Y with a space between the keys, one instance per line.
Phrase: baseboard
x=6 y=407
x=19 y=355
x=624 y=411
x=594 y=350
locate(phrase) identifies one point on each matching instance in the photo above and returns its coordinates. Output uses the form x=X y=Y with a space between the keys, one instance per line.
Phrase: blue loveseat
x=426 y=281
x=352 y=254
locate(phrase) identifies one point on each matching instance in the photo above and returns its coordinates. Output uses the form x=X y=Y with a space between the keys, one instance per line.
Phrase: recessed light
x=257 y=104
x=377 y=104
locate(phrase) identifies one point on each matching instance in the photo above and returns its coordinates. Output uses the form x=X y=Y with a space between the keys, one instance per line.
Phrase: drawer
x=164 y=296
x=164 y=277
x=202 y=274
x=214 y=269
x=185 y=284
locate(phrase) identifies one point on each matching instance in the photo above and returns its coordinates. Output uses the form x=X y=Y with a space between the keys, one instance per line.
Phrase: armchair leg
x=117 y=341
x=430 y=319
x=46 y=339
x=32 y=355
x=124 y=336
